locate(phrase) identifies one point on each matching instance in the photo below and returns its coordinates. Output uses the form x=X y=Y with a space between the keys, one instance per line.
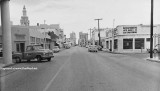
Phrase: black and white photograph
x=79 y=45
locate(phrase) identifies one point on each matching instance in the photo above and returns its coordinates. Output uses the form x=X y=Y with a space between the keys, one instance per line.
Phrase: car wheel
x=28 y=60
x=39 y=58
x=49 y=59
x=18 y=59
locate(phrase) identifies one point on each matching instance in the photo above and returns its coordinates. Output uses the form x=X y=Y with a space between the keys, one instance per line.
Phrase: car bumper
x=46 y=57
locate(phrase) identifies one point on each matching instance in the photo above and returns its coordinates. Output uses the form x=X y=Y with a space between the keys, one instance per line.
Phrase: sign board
x=129 y=30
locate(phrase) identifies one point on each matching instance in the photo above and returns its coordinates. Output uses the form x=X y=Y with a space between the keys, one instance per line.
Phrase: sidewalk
x=154 y=59
x=1 y=64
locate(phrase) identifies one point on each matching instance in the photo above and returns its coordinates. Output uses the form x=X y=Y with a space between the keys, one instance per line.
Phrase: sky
x=79 y=15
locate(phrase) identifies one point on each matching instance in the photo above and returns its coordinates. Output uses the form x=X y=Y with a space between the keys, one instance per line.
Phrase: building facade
x=83 y=39
x=95 y=37
x=131 y=38
x=73 y=38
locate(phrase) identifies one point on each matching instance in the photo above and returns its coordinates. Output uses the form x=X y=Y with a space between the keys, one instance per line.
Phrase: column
x=133 y=44
x=6 y=32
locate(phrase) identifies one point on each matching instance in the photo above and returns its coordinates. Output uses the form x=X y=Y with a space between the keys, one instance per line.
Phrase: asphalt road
x=76 y=69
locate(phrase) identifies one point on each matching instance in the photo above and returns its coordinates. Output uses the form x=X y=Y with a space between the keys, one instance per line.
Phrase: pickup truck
x=33 y=52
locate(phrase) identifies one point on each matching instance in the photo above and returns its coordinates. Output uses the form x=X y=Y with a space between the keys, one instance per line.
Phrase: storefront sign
x=129 y=30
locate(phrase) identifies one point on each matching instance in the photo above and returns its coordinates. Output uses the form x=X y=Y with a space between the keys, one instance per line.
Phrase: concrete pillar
x=133 y=44
x=6 y=32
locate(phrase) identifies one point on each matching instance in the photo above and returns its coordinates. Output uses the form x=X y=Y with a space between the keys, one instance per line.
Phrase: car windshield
x=92 y=46
x=38 y=47
x=56 y=47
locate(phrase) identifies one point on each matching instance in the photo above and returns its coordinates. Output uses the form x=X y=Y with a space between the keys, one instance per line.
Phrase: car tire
x=18 y=60
x=28 y=60
x=39 y=58
x=48 y=59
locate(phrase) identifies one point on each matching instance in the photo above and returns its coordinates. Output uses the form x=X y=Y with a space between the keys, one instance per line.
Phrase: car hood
x=45 y=50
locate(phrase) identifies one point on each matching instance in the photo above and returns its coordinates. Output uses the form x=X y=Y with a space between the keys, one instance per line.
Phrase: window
x=29 y=48
x=139 y=43
x=38 y=41
x=32 y=39
x=148 y=39
x=107 y=44
x=115 y=44
x=127 y=43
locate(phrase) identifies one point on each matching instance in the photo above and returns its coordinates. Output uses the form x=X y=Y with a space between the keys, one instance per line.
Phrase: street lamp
x=99 y=32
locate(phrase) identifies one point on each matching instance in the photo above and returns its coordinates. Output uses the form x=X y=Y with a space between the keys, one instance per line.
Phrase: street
x=76 y=69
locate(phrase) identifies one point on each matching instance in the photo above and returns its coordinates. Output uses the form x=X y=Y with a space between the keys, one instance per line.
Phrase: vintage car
x=55 y=49
x=92 y=48
x=33 y=52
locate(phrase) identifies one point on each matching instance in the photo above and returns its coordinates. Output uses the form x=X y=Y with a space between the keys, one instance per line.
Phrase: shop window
x=148 y=39
x=139 y=43
x=115 y=44
x=127 y=43
x=107 y=44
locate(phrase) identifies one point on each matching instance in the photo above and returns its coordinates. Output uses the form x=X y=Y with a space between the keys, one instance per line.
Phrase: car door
x=29 y=54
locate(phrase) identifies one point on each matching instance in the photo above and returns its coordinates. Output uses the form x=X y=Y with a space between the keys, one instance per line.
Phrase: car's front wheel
x=18 y=59
x=49 y=59
x=39 y=58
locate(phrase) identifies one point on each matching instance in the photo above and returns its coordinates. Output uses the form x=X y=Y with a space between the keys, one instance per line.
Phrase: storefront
x=132 y=38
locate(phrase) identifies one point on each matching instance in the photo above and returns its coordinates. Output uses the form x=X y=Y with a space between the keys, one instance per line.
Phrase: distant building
x=83 y=39
x=73 y=38
x=57 y=31
x=95 y=37
x=24 y=18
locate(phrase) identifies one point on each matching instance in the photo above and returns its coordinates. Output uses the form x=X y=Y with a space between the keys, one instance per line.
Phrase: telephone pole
x=99 y=32
x=151 y=35
x=90 y=33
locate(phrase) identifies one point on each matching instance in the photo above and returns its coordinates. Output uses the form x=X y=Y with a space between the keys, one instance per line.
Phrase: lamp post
x=151 y=35
x=99 y=32
x=90 y=34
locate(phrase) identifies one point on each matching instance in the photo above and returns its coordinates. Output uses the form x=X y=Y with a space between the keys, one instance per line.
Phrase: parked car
x=92 y=48
x=33 y=52
x=67 y=46
x=99 y=48
x=55 y=49
x=1 y=52
x=155 y=49
x=87 y=46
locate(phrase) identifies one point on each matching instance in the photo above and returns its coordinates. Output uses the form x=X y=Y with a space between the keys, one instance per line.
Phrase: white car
x=55 y=49
x=92 y=48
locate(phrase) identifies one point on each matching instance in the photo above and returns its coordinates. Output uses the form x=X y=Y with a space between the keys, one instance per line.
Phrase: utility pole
x=151 y=35
x=90 y=35
x=99 y=32
x=113 y=36
x=44 y=35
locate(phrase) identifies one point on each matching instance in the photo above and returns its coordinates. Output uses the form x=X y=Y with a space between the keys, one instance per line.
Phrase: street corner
x=154 y=59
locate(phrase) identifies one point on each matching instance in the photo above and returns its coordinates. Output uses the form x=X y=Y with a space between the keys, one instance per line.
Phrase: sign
x=129 y=30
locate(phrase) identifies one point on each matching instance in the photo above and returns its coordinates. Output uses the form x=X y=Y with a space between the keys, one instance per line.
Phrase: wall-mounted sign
x=129 y=30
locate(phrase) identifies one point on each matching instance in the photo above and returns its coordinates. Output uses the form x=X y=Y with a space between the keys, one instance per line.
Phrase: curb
x=7 y=65
x=152 y=59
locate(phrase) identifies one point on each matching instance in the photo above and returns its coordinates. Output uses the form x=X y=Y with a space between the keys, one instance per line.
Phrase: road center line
x=51 y=81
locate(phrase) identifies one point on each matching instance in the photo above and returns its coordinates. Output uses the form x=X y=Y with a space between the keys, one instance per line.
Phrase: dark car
x=33 y=52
